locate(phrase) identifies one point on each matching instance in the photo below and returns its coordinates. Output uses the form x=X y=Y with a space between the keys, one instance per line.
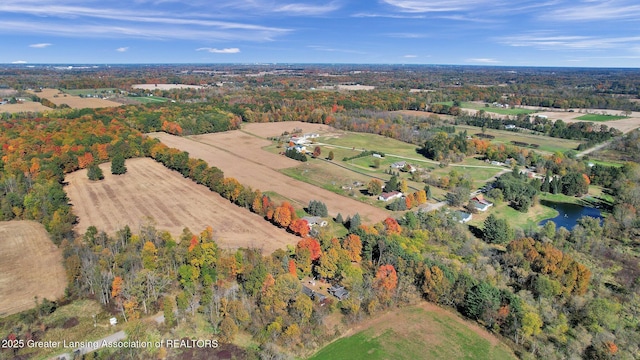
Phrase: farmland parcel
x=30 y=266
x=149 y=191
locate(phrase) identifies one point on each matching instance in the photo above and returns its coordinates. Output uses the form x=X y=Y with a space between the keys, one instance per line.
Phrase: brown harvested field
x=150 y=191
x=57 y=97
x=30 y=266
x=28 y=106
x=266 y=130
x=624 y=125
x=164 y=86
x=257 y=168
x=246 y=146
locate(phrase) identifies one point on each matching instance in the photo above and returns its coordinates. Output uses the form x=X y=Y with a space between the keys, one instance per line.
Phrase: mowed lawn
x=491 y=109
x=546 y=143
x=424 y=331
x=373 y=142
x=600 y=117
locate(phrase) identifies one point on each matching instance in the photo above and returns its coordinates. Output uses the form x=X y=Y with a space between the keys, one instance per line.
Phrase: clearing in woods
x=423 y=331
x=150 y=191
x=240 y=156
x=30 y=266
x=75 y=102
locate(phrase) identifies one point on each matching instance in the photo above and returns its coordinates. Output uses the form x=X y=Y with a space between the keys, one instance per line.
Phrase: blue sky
x=588 y=33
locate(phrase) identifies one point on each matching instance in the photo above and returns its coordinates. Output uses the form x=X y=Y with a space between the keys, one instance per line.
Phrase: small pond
x=569 y=213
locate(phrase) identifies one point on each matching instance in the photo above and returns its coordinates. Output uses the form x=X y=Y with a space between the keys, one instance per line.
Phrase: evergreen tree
x=94 y=172
x=117 y=165
x=496 y=231
x=392 y=185
x=354 y=224
x=339 y=219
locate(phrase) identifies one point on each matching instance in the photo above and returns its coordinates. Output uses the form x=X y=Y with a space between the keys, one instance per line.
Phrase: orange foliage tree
x=386 y=281
x=353 y=245
x=392 y=226
x=85 y=160
x=313 y=245
x=300 y=227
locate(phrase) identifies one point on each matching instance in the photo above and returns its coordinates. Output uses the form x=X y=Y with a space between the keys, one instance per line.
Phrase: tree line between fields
x=529 y=287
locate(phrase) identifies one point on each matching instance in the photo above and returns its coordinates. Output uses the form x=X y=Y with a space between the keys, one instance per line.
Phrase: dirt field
x=624 y=125
x=266 y=130
x=28 y=106
x=150 y=191
x=164 y=86
x=255 y=167
x=30 y=265
x=73 y=101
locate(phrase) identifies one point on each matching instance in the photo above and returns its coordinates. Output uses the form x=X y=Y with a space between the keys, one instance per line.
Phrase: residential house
x=315 y=220
x=398 y=165
x=480 y=203
x=462 y=217
x=386 y=196
x=339 y=292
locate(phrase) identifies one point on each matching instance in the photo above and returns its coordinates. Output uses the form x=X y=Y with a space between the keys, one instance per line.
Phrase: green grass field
x=597 y=117
x=148 y=99
x=547 y=144
x=515 y=218
x=415 y=333
x=100 y=91
x=491 y=109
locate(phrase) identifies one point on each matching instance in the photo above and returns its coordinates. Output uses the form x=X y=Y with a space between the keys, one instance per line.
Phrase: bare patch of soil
x=30 y=266
x=149 y=191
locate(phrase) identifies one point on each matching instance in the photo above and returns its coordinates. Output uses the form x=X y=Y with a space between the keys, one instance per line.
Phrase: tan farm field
x=240 y=156
x=30 y=266
x=27 y=106
x=266 y=130
x=151 y=192
x=57 y=97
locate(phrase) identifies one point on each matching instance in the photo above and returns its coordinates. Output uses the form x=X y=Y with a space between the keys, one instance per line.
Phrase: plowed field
x=149 y=191
x=30 y=266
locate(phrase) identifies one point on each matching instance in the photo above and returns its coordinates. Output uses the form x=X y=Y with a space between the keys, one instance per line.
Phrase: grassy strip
x=596 y=117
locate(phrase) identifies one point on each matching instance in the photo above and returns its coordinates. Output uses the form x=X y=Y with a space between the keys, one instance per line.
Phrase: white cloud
x=220 y=51
x=420 y=6
x=151 y=23
x=19 y=62
x=546 y=41
x=306 y=9
x=407 y=35
x=596 y=11
x=122 y=49
x=40 y=46
x=410 y=56
x=328 y=49
x=483 y=61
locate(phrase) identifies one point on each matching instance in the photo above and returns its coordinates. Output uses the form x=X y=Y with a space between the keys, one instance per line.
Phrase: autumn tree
x=312 y=245
x=374 y=187
x=385 y=282
x=317 y=152
x=85 y=160
x=283 y=215
x=392 y=226
x=331 y=156
x=300 y=227
x=353 y=245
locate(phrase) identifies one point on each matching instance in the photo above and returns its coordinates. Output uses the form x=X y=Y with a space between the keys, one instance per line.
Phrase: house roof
x=390 y=194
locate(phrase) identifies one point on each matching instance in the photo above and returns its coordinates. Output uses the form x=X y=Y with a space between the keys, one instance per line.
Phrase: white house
x=463 y=217
x=390 y=196
x=315 y=220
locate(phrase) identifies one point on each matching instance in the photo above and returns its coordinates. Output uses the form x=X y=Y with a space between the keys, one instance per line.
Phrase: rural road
x=595 y=148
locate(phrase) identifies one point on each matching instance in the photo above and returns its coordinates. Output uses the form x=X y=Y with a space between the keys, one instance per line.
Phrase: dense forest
x=550 y=293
